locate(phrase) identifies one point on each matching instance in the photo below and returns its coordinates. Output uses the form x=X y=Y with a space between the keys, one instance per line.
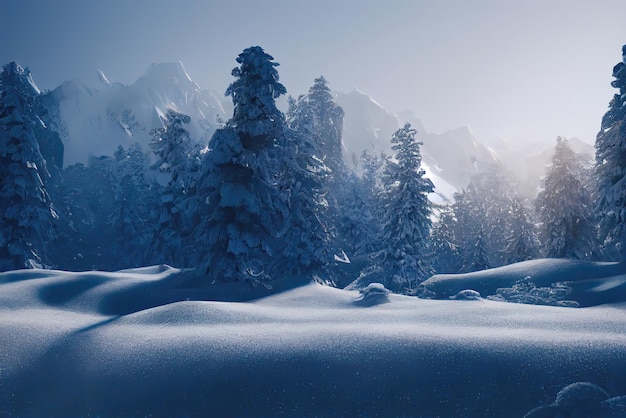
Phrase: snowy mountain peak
x=20 y=76
x=95 y=121
x=168 y=72
x=355 y=91
x=369 y=125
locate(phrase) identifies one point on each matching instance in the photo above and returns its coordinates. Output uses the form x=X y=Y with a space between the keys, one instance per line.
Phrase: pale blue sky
x=525 y=70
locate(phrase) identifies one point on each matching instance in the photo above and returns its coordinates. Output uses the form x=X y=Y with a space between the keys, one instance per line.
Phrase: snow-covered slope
x=454 y=154
x=449 y=157
x=549 y=281
x=138 y=343
x=366 y=124
x=95 y=120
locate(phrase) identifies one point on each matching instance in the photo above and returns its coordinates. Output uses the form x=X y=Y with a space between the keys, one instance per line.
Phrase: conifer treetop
x=254 y=92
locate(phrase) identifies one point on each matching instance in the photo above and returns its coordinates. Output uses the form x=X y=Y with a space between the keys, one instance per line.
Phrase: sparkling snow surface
x=138 y=343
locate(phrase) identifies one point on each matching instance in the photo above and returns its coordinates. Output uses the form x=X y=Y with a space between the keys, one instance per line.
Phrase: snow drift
x=584 y=282
x=140 y=342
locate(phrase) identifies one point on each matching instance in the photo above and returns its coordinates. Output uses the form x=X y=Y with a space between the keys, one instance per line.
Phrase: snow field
x=309 y=351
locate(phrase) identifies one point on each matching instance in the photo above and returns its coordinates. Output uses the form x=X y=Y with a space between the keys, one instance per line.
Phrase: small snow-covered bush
x=467 y=294
x=373 y=294
x=527 y=292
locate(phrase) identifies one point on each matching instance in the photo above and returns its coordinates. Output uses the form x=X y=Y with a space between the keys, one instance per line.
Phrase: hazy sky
x=525 y=70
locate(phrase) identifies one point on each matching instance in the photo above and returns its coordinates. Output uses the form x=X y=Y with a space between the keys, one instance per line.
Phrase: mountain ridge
x=94 y=120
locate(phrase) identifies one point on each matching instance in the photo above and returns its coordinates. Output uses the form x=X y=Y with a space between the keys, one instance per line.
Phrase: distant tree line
x=270 y=198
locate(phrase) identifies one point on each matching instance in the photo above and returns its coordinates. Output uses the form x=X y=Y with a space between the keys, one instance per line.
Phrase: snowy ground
x=131 y=344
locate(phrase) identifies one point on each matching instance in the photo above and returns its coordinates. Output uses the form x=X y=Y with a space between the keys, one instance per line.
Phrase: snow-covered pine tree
x=405 y=215
x=303 y=182
x=327 y=123
x=444 y=251
x=362 y=222
x=176 y=156
x=611 y=169
x=471 y=231
x=238 y=203
x=136 y=210
x=358 y=226
x=173 y=148
x=564 y=207
x=522 y=241
x=474 y=256
x=485 y=207
x=28 y=216
x=496 y=200
x=85 y=196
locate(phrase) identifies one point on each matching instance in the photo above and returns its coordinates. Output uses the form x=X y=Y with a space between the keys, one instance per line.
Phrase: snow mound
x=467 y=295
x=582 y=399
x=557 y=282
x=581 y=395
x=373 y=294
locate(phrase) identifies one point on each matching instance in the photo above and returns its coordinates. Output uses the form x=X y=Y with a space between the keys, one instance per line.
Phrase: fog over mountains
x=93 y=120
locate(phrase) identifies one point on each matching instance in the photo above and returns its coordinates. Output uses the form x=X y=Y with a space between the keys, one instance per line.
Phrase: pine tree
x=611 y=169
x=135 y=213
x=471 y=231
x=475 y=257
x=364 y=226
x=324 y=125
x=85 y=196
x=496 y=202
x=28 y=216
x=238 y=204
x=303 y=181
x=485 y=207
x=522 y=241
x=327 y=123
x=444 y=250
x=564 y=207
x=177 y=157
x=359 y=228
x=405 y=215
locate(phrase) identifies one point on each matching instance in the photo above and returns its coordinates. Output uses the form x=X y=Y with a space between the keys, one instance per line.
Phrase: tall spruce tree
x=472 y=230
x=327 y=121
x=325 y=124
x=522 y=240
x=180 y=159
x=474 y=255
x=136 y=210
x=359 y=228
x=405 y=215
x=444 y=250
x=611 y=169
x=361 y=219
x=485 y=207
x=28 y=216
x=86 y=197
x=239 y=206
x=564 y=207
x=303 y=182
